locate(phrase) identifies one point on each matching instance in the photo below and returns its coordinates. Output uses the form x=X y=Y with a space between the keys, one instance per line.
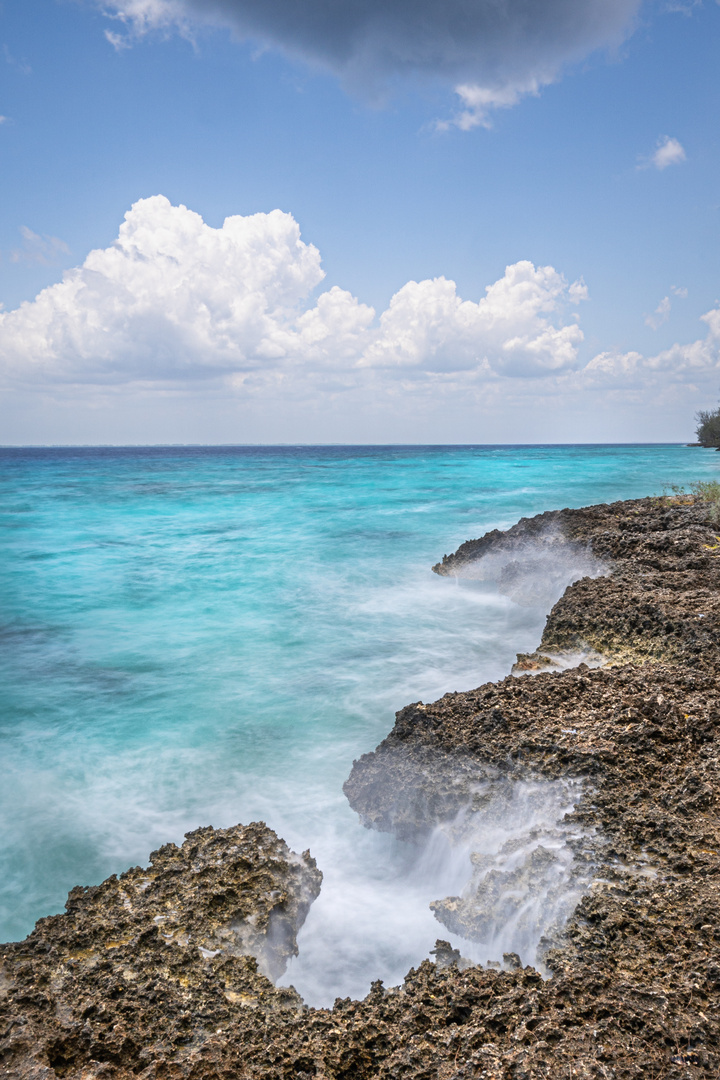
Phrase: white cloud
x=682 y=7
x=174 y=300
x=171 y=298
x=44 y=250
x=660 y=315
x=118 y=41
x=678 y=363
x=478 y=102
x=702 y=355
x=612 y=366
x=20 y=65
x=146 y=15
x=669 y=152
x=175 y=310
x=428 y=326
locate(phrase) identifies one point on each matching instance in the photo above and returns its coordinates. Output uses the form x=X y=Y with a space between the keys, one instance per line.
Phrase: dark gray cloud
x=492 y=43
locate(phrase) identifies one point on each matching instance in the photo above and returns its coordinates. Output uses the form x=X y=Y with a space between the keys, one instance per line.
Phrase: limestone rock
x=158 y=963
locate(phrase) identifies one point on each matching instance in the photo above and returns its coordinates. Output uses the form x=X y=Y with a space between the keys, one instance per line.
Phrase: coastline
x=636 y=976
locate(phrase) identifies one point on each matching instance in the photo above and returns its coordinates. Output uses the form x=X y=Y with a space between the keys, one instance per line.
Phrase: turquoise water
x=198 y=636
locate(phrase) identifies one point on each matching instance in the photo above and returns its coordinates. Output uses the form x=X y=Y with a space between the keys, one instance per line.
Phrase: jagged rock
x=643 y=732
x=652 y=596
x=446 y=956
x=109 y=990
x=155 y=965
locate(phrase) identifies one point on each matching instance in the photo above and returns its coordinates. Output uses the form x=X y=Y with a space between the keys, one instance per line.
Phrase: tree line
x=708 y=428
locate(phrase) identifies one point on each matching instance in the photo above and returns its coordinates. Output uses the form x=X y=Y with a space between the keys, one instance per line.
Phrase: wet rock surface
x=111 y=990
x=658 y=600
x=636 y=972
x=157 y=965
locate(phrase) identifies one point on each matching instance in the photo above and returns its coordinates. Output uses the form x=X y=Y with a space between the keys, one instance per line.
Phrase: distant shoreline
x=341 y=446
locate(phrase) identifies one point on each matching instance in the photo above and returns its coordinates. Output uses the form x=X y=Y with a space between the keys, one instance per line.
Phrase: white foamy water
x=210 y=636
x=373 y=917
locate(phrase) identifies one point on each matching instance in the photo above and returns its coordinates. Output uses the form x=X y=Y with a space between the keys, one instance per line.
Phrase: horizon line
x=317 y=446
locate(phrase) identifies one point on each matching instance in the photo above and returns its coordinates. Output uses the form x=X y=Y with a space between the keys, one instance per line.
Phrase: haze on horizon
x=235 y=221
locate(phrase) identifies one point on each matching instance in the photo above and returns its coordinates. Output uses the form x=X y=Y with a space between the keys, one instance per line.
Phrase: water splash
x=503 y=879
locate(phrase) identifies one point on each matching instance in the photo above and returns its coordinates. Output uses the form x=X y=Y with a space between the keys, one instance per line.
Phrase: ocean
x=210 y=635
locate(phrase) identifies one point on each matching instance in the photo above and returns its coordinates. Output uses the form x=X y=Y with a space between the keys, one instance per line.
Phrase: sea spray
x=530 y=862
x=384 y=902
x=532 y=572
x=196 y=636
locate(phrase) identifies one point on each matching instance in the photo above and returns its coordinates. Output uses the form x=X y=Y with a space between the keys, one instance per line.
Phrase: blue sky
x=363 y=146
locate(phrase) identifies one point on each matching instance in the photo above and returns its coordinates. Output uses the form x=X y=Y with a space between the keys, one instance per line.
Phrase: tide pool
x=196 y=636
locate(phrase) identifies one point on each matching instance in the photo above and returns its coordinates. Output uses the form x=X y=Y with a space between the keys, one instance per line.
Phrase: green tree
x=708 y=428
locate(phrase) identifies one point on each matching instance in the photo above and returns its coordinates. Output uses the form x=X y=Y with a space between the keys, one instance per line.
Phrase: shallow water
x=203 y=636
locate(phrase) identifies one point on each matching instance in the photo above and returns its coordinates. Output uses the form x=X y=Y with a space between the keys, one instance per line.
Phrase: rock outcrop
x=149 y=975
x=650 y=590
x=156 y=966
x=636 y=986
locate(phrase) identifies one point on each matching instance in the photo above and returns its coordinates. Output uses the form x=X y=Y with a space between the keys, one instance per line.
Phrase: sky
x=254 y=221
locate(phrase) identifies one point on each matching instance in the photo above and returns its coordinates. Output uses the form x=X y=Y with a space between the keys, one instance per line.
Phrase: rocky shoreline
x=167 y=972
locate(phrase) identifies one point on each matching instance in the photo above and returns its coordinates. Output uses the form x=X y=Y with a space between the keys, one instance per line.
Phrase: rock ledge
x=148 y=975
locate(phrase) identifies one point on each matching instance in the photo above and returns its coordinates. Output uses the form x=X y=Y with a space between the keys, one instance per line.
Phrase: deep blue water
x=198 y=636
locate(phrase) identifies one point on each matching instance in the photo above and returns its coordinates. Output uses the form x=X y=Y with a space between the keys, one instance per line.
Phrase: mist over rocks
x=111 y=990
x=636 y=978
x=656 y=597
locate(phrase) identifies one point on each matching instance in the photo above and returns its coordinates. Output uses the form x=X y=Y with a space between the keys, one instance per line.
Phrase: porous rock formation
x=154 y=969
x=658 y=603
x=118 y=986
x=636 y=985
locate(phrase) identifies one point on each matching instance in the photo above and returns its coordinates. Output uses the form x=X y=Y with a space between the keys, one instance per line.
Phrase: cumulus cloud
x=238 y=312
x=232 y=322
x=669 y=152
x=509 y=331
x=489 y=49
x=171 y=297
x=700 y=358
x=174 y=299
